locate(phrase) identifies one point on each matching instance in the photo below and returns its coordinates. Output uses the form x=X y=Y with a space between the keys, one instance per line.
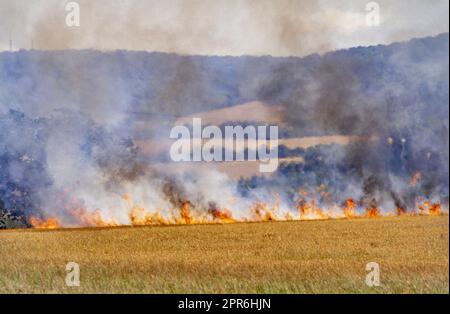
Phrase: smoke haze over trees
x=68 y=120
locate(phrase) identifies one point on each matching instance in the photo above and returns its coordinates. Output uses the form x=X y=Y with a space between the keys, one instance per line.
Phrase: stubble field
x=276 y=257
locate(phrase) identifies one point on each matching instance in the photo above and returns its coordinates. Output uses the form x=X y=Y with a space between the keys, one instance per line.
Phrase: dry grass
x=283 y=257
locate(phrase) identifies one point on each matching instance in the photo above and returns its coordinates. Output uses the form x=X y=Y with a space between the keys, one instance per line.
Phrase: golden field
x=327 y=256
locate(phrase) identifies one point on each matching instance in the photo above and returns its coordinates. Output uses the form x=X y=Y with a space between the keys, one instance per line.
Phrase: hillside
x=152 y=87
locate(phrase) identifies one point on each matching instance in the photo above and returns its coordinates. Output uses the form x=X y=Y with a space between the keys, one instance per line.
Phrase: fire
x=185 y=213
x=140 y=217
x=262 y=212
x=349 y=208
x=400 y=211
x=223 y=216
x=372 y=212
x=428 y=208
x=50 y=223
x=435 y=209
x=94 y=219
x=306 y=208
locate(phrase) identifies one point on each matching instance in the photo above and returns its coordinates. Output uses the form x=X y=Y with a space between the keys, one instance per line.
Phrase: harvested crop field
x=327 y=256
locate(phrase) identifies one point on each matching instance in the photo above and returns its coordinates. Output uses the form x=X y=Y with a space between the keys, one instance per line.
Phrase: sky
x=218 y=27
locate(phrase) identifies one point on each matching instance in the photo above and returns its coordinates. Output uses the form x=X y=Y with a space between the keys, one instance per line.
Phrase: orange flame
x=349 y=208
x=49 y=223
x=223 y=216
x=94 y=219
x=307 y=209
x=428 y=208
x=372 y=212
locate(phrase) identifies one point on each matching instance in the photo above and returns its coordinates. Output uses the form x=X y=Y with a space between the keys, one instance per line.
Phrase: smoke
x=395 y=98
x=221 y=27
x=70 y=121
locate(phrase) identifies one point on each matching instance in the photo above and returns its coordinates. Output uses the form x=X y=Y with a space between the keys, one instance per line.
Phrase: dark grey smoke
x=398 y=95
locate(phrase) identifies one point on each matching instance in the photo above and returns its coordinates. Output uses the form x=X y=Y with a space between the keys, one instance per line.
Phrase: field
x=276 y=257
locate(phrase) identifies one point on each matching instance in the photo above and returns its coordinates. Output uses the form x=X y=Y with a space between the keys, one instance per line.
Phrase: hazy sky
x=217 y=27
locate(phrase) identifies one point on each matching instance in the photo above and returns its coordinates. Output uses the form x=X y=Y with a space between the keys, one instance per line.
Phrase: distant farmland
x=277 y=257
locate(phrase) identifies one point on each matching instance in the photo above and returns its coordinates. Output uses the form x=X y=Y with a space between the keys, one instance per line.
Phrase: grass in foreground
x=279 y=257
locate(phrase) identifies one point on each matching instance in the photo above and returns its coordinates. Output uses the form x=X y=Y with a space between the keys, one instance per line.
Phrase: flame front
x=307 y=208
x=49 y=223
